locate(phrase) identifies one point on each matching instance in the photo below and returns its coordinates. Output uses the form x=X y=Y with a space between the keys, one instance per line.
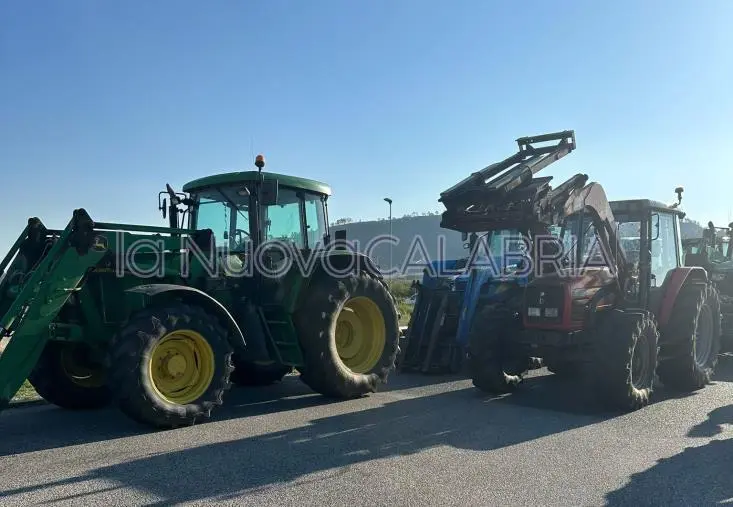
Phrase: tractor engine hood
x=587 y=279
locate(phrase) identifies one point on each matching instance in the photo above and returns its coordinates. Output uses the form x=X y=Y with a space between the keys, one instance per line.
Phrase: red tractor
x=610 y=300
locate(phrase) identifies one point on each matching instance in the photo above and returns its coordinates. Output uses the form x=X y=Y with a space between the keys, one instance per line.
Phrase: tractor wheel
x=626 y=360
x=495 y=364
x=170 y=365
x=66 y=376
x=349 y=332
x=253 y=374
x=690 y=349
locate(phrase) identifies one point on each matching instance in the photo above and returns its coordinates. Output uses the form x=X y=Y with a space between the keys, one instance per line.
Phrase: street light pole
x=389 y=201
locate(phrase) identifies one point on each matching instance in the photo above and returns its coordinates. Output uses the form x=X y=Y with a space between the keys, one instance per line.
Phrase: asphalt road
x=424 y=441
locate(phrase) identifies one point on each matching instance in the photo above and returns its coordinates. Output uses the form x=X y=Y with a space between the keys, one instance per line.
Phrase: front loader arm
x=42 y=292
x=514 y=198
x=506 y=195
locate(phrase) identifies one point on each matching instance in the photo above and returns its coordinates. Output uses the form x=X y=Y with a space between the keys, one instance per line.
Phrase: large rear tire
x=349 y=333
x=626 y=359
x=692 y=344
x=496 y=365
x=66 y=376
x=170 y=365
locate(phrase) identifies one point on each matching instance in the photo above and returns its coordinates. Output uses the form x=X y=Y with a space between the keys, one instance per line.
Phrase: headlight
x=718 y=277
x=533 y=312
x=550 y=312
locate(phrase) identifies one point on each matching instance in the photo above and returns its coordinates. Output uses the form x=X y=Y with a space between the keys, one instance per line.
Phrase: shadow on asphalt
x=462 y=418
x=329 y=445
x=724 y=370
x=698 y=475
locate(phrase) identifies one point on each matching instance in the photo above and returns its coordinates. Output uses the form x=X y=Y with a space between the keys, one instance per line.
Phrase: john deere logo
x=99 y=244
x=542 y=298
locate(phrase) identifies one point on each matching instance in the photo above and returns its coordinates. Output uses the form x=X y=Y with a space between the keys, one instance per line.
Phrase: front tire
x=495 y=364
x=626 y=360
x=170 y=365
x=66 y=376
x=349 y=333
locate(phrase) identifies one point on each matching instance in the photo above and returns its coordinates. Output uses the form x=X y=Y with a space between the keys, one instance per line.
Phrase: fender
x=674 y=282
x=198 y=297
x=340 y=259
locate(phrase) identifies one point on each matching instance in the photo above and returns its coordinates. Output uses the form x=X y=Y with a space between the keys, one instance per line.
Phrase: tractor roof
x=251 y=176
x=637 y=205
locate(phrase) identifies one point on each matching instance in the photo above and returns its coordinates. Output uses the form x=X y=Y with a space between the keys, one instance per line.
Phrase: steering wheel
x=240 y=233
x=240 y=236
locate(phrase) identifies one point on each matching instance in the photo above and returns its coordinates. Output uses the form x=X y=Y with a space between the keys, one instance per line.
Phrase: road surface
x=425 y=441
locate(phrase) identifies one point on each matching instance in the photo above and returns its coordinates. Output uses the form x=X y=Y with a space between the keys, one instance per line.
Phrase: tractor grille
x=544 y=304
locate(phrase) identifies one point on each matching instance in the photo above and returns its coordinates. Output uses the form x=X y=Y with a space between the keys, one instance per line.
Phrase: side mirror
x=164 y=208
x=464 y=236
x=268 y=193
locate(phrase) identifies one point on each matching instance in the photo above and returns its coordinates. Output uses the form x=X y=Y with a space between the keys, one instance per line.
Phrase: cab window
x=227 y=215
x=315 y=219
x=283 y=220
x=664 y=246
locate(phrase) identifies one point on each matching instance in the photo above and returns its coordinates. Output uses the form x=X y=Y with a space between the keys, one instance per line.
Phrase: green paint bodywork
x=251 y=176
x=80 y=295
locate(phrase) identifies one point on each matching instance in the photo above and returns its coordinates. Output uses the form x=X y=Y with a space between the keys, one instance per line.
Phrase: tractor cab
x=649 y=233
x=253 y=215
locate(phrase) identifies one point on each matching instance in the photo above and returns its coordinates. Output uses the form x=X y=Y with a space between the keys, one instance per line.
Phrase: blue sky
x=102 y=103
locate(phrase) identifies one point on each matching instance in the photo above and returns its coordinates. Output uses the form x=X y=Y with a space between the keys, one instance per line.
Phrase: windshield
x=225 y=210
x=284 y=222
x=226 y=213
x=497 y=243
x=590 y=253
x=629 y=235
x=587 y=253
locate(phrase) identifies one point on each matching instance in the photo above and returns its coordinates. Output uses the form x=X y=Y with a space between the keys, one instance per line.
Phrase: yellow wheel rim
x=360 y=334
x=78 y=369
x=182 y=366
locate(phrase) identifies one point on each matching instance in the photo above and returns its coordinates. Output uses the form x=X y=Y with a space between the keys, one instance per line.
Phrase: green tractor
x=245 y=285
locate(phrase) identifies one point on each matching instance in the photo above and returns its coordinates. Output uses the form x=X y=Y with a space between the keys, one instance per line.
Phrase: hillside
x=415 y=231
x=412 y=233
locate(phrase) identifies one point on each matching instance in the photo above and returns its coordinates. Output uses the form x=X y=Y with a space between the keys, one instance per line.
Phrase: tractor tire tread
x=51 y=384
x=679 y=370
x=315 y=321
x=489 y=334
x=130 y=349
x=618 y=337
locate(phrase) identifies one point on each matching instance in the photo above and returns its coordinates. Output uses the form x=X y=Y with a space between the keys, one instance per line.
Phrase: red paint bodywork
x=599 y=277
x=591 y=278
x=672 y=284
